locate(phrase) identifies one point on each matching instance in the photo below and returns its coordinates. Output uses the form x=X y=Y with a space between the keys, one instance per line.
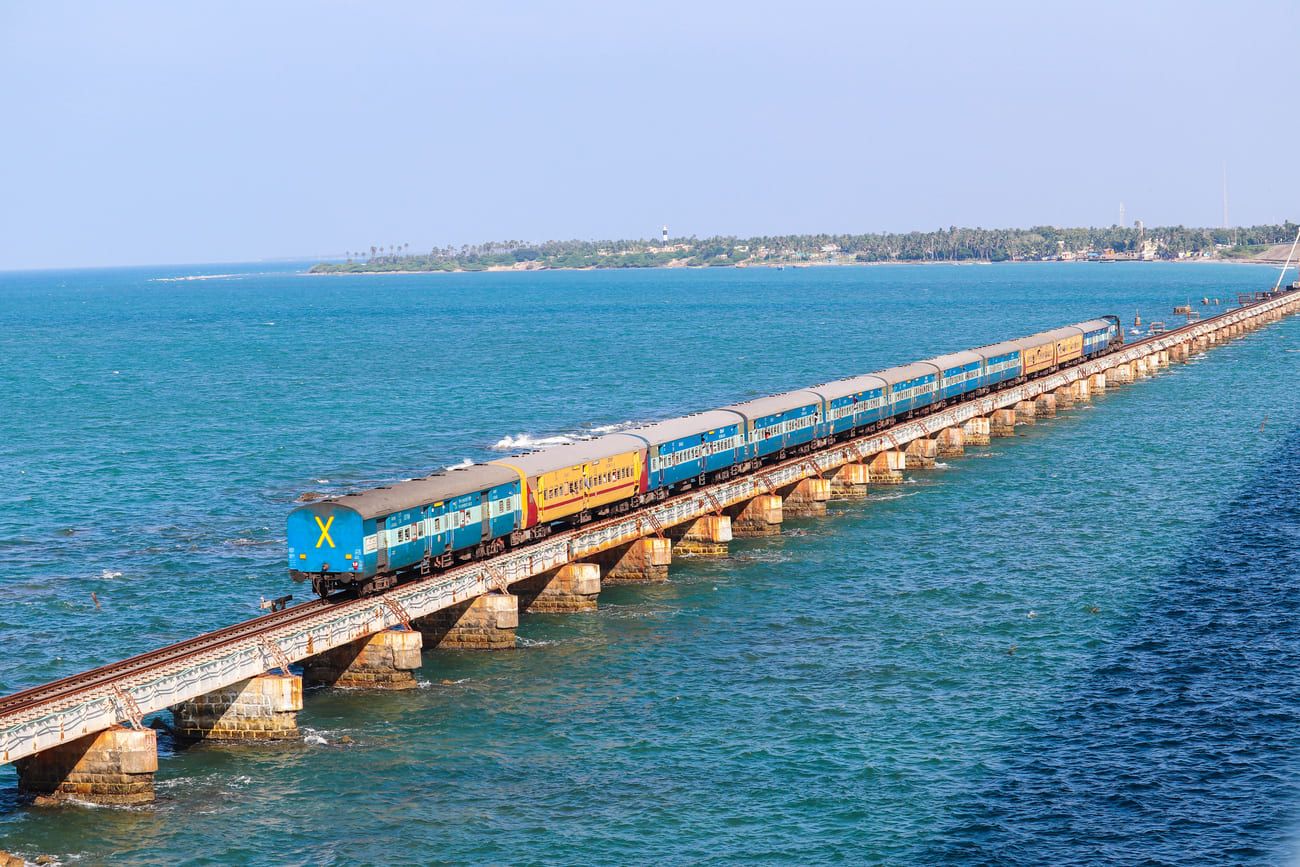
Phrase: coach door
x=381 y=550
x=485 y=508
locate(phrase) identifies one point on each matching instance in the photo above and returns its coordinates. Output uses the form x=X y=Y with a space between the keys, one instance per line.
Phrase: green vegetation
x=944 y=245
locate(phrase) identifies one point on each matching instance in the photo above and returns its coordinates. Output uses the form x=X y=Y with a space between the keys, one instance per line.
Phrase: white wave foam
x=190 y=277
x=109 y=574
x=526 y=441
x=322 y=481
x=612 y=428
x=462 y=465
x=883 y=497
x=940 y=465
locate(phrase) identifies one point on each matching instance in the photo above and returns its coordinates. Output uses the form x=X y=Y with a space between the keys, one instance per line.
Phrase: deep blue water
x=1075 y=646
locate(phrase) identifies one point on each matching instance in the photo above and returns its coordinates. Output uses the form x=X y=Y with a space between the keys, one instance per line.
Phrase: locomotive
x=371 y=540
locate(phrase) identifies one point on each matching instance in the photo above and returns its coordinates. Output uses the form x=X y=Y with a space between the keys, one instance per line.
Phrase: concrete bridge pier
x=114 y=767
x=1097 y=384
x=1064 y=396
x=486 y=622
x=1002 y=422
x=1142 y=367
x=886 y=468
x=385 y=660
x=921 y=454
x=761 y=516
x=1080 y=391
x=1162 y=358
x=807 y=499
x=640 y=561
x=952 y=442
x=1026 y=412
x=1045 y=405
x=262 y=708
x=977 y=431
x=1120 y=374
x=850 y=482
x=704 y=537
x=572 y=588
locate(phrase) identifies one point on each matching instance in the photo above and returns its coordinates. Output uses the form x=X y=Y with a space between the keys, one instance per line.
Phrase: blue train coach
x=695 y=445
x=368 y=537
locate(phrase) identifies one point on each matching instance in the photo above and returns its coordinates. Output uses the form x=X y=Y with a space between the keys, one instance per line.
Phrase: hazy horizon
x=244 y=133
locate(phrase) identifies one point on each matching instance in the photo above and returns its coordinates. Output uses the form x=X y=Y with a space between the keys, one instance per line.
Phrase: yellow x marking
x=324 y=531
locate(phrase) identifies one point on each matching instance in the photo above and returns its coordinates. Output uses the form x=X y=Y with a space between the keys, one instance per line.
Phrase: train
x=370 y=541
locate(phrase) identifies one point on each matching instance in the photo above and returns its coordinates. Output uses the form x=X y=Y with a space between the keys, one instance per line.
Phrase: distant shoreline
x=790 y=267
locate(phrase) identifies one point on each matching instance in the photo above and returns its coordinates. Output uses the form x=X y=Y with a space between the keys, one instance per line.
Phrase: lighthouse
x=664 y=240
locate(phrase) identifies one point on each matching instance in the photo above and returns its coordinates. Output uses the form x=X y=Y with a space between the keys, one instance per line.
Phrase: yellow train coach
x=561 y=482
x=1050 y=349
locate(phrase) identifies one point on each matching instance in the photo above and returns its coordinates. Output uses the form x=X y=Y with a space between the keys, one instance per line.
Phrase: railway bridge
x=84 y=738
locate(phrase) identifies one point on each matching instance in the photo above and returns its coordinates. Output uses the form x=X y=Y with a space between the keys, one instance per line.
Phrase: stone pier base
x=952 y=442
x=704 y=537
x=978 y=431
x=113 y=767
x=922 y=453
x=761 y=516
x=806 y=499
x=637 y=562
x=1045 y=405
x=886 y=468
x=1026 y=412
x=1080 y=392
x=1141 y=369
x=263 y=708
x=385 y=660
x=850 y=482
x=486 y=622
x=1002 y=422
x=571 y=588
x=1064 y=396
x=1120 y=374
x=1097 y=383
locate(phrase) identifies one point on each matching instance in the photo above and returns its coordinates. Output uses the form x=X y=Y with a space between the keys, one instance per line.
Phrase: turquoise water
x=1077 y=645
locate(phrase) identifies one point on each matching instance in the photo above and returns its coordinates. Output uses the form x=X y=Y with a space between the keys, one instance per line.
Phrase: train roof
x=431 y=489
x=895 y=375
x=955 y=359
x=571 y=454
x=1055 y=334
x=1094 y=325
x=845 y=387
x=993 y=350
x=764 y=406
x=689 y=425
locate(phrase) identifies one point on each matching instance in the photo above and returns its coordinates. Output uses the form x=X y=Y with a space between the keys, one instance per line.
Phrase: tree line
x=953 y=244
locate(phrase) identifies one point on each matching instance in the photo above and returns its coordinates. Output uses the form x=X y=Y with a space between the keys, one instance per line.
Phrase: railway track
x=71 y=687
x=74 y=684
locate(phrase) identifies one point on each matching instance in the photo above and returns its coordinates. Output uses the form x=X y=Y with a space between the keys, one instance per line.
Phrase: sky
x=137 y=133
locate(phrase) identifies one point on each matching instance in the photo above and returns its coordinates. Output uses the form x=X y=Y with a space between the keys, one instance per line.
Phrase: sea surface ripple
x=1078 y=645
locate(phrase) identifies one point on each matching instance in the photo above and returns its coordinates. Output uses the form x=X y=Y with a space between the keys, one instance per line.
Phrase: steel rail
x=20 y=701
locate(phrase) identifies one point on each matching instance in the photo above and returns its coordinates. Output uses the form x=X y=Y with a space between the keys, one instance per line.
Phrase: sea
x=1079 y=645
